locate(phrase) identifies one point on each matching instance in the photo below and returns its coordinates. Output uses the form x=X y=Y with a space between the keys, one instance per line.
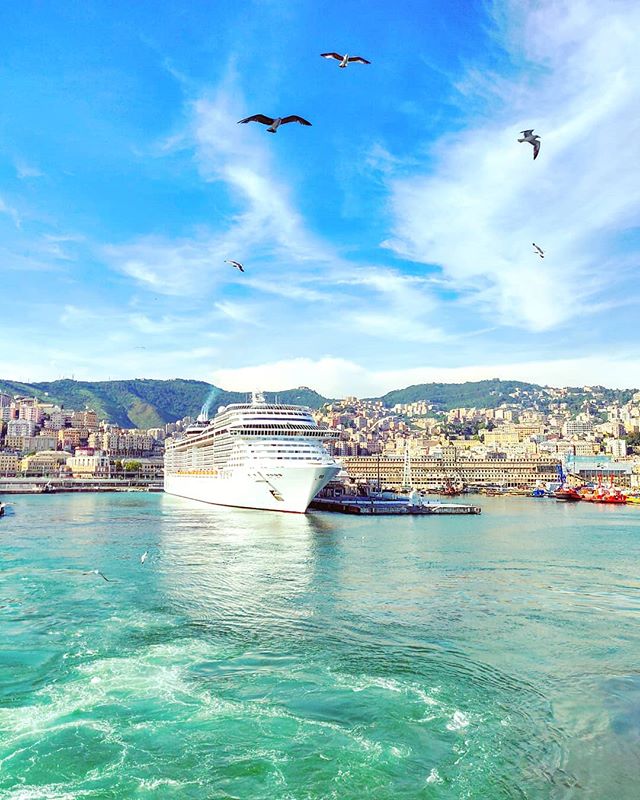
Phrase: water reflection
x=250 y=570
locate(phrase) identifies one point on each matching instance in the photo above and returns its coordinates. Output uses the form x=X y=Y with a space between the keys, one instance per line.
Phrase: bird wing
x=527 y=133
x=359 y=59
x=233 y=263
x=295 y=118
x=240 y=267
x=337 y=56
x=258 y=118
x=536 y=150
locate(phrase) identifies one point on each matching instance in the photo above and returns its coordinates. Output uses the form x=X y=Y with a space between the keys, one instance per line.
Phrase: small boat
x=2 y=509
x=614 y=498
x=567 y=493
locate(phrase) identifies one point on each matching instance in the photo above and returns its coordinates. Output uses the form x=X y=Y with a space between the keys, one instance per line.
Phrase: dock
x=365 y=505
x=40 y=485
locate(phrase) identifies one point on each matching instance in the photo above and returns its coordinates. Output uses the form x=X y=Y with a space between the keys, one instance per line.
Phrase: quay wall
x=38 y=485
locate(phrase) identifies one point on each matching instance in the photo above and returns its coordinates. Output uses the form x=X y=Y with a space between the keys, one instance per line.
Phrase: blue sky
x=388 y=244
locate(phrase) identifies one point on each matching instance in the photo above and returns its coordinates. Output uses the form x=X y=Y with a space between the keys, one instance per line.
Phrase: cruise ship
x=251 y=455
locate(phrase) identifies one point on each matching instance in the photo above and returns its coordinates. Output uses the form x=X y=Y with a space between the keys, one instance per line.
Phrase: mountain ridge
x=148 y=403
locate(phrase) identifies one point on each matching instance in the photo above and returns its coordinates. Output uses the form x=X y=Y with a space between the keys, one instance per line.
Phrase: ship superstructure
x=252 y=455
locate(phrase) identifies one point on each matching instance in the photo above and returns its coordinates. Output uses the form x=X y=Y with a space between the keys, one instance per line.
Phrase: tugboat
x=564 y=492
x=567 y=493
x=452 y=489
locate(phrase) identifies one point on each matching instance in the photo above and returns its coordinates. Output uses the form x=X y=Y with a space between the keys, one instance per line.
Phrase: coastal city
x=517 y=446
x=319 y=400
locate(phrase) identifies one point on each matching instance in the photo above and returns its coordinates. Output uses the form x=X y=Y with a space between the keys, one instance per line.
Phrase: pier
x=375 y=506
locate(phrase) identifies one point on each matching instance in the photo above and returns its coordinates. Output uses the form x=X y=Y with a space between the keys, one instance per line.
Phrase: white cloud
x=337 y=377
x=477 y=213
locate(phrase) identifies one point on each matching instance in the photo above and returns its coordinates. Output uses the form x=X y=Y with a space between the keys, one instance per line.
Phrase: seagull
x=345 y=60
x=235 y=264
x=274 y=124
x=143 y=557
x=533 y=140
x=538 y=250
x=97 y=572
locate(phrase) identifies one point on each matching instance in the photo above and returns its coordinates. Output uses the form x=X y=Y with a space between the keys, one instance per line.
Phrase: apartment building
x=9 y=464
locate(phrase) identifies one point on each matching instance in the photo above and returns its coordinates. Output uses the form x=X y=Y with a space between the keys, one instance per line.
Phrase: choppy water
x=259 y=655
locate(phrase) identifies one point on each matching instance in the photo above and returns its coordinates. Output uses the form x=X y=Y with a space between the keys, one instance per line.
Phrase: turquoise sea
x=265 y=655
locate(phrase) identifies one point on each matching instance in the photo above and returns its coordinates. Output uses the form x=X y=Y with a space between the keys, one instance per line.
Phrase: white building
x=89 y=463
x=21 y=427
x=617 y=447
x=577 y=427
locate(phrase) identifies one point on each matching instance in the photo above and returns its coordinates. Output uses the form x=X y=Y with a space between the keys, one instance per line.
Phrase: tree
x=132 y=466
x=633 y=441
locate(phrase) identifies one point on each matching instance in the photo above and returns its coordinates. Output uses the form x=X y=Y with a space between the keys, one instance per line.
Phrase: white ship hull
x=289 y=488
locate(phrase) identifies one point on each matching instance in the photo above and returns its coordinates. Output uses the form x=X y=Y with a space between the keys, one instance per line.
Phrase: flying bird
x=538 y=250
x=235 y=264
x=274 y=124
x=533 y=140
x=97 y=572
x=143 y=557
x=346 y=59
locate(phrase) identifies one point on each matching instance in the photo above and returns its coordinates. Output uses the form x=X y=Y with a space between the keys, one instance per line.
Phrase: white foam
x=458 y=721
x=434 y=777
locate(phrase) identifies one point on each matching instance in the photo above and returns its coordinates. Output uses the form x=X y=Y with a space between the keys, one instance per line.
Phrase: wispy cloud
x=239 y=312
x=399 y=309
x=25 y=170
x=74 y=316
x=174 y=267
x=268 y=225
x=11 y=212
x=477 y=213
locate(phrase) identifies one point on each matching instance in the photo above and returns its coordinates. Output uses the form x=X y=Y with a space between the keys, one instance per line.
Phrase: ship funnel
x=204 y=411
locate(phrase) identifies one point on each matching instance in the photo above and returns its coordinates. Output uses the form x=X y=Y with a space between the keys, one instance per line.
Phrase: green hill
x=145 y=403
x=494 y=392
x=478 y=394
